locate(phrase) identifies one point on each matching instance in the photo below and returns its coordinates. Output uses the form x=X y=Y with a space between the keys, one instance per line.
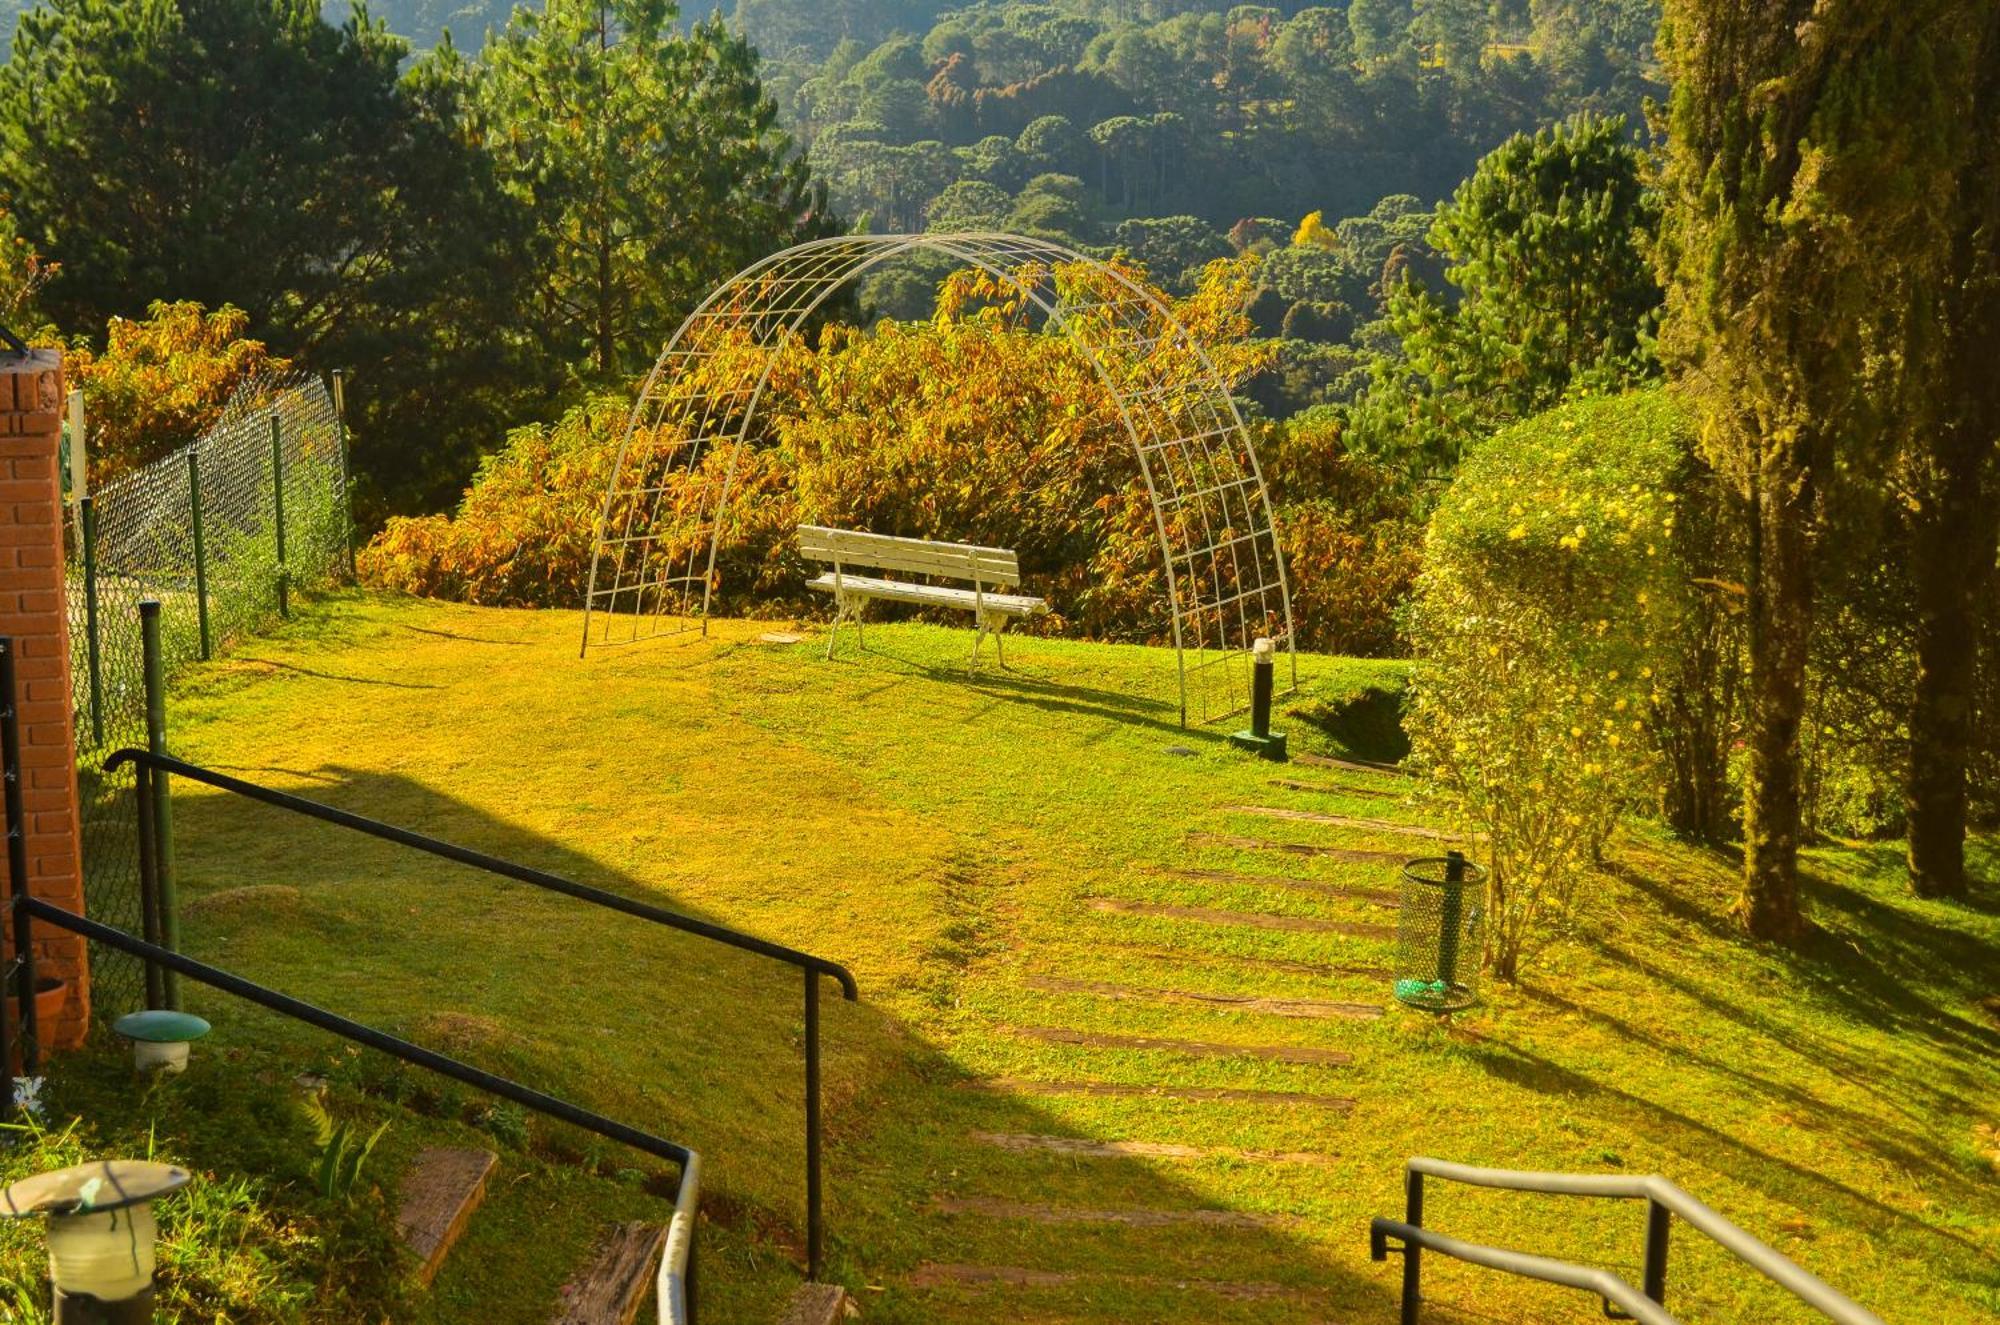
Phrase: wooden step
x=817 y=1304
x=1027 y=1143
x=1346 y=821
x=1306 y=1008
x=987 y=1207
x=1351 y=855
x=1373 y=896
x=611 y=1289
x=439 y=1194
x=1274 y=1053
x=1254 y=919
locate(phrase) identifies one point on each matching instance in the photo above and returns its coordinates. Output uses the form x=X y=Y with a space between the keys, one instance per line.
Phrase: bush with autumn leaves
x=974 y=426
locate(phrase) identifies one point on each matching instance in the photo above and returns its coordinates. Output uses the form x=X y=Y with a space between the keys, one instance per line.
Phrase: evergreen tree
x=1547 y=246
x=1800 y=134
x=649 y=163
x=1951 y=442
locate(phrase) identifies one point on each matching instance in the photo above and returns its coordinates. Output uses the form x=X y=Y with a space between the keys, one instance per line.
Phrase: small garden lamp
x=101 y=1235
x=160 y=1038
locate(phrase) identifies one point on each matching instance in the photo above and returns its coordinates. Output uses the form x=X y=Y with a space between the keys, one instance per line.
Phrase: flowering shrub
x=1543 y=626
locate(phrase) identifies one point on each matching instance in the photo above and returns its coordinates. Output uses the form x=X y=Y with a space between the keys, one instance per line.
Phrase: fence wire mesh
x=198 y=530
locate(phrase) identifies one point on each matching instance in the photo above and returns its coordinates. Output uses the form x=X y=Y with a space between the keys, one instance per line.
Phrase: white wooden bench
x=980 y=567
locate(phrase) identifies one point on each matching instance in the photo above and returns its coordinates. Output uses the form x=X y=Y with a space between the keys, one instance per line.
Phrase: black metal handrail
x=678 y=1302
x=148 y=763
x=1646 y=1304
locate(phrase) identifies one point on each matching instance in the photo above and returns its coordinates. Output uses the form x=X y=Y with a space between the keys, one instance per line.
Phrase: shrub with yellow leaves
x=1543 y=626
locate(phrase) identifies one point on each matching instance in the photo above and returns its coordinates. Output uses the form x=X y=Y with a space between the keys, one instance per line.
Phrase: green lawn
x=987 y=856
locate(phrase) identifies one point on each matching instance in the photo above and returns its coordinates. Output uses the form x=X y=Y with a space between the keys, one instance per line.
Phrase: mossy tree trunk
x=1780 y=593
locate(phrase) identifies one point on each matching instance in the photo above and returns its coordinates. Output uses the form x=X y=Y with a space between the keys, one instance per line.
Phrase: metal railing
x=149 y=765
x=1646 y=1304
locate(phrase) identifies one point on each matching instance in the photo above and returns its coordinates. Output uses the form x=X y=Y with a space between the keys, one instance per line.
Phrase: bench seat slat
x=917 y=556
x=930 y=595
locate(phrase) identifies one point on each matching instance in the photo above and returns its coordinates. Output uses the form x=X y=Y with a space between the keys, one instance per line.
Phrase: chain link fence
x=220 y=533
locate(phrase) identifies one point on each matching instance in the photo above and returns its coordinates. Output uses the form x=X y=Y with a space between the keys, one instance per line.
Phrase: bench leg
x=833 y=630
x=1000 y=642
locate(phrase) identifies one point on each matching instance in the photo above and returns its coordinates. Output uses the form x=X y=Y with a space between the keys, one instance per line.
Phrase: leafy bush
x=1543 y=624
x=161 y=382
x=968 y=426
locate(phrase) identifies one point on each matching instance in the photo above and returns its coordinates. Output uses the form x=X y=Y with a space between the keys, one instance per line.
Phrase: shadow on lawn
x=353 y=912
x=1019 y=687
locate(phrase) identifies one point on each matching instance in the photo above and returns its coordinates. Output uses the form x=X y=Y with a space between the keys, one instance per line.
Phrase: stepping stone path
x=1190 y=1027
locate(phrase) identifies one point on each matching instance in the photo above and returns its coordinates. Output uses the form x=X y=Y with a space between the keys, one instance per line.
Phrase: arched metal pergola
x=653 y=566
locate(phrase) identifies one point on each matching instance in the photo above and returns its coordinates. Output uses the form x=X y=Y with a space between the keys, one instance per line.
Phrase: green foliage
x=648 y=162
x=1544 y=627
x=1547 y=244
x=342 y=1152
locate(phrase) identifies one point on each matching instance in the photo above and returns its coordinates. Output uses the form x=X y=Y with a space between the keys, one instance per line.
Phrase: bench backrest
x=913 y=556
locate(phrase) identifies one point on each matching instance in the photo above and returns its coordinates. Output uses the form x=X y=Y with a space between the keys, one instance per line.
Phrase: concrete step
x=613 y=1286
x=438 y=1196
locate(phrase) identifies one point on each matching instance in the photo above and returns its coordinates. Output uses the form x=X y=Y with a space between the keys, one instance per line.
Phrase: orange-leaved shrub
x=974 y=426
x=161 y=381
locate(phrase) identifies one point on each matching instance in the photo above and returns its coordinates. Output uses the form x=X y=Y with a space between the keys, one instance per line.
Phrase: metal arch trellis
x=653 y=564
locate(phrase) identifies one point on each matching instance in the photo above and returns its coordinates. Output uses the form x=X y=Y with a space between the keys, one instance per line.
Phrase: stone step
x=1373 y=896
x=437 y=1198
x=1346 y=821
x=613 y=1286
x=1305 y=1008
x=1028 y=1143
x=1272 y=1053
x=1118 y=1090
x=1254 y=919
x=1352 y=765
x=987 y=1207
x=817 y=1304
x=1335 y=789
x=1183 y=956
x=940 y=1275
x=1348 y=855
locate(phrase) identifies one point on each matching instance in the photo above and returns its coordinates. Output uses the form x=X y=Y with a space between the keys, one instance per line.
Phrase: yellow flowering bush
x=1543 y=628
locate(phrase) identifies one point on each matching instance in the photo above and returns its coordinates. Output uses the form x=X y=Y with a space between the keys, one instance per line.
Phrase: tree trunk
x=1957 y=540
x=1780 y=626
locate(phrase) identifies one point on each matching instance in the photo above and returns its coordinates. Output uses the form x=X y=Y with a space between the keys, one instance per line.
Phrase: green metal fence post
x=93 y=653
x=165 y=901
x=278 y=508
x=200 y=549
x=346 y=468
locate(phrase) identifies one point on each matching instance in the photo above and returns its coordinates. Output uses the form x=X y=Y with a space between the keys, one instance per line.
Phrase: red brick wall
x=31 y=610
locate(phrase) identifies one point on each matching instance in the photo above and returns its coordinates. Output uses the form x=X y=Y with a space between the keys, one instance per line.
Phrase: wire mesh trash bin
x=1438 y=933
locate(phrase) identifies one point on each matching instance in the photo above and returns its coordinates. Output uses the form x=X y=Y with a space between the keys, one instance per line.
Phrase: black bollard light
x=1260 y=740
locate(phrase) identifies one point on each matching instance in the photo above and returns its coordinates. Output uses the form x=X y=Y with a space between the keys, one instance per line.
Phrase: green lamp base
x=1270 y=747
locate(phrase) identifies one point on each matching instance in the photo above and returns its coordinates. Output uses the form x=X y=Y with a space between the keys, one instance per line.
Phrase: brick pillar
x=32 y=611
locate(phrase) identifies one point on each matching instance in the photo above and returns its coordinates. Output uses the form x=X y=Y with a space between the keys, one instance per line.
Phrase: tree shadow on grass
x=1860 y=1128
x=1019 y=687
x=1778 y=1178
x=547 y=989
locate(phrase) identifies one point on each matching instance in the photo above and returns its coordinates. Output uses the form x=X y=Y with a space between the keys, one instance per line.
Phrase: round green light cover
x=160 y=1027
x=105 y=1184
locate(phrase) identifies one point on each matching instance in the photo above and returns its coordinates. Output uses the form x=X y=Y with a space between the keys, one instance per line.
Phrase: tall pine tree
x=1802 y=140
x=650 y=163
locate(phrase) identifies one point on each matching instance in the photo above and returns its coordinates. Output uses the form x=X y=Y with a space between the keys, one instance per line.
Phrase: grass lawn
x=995 y=858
